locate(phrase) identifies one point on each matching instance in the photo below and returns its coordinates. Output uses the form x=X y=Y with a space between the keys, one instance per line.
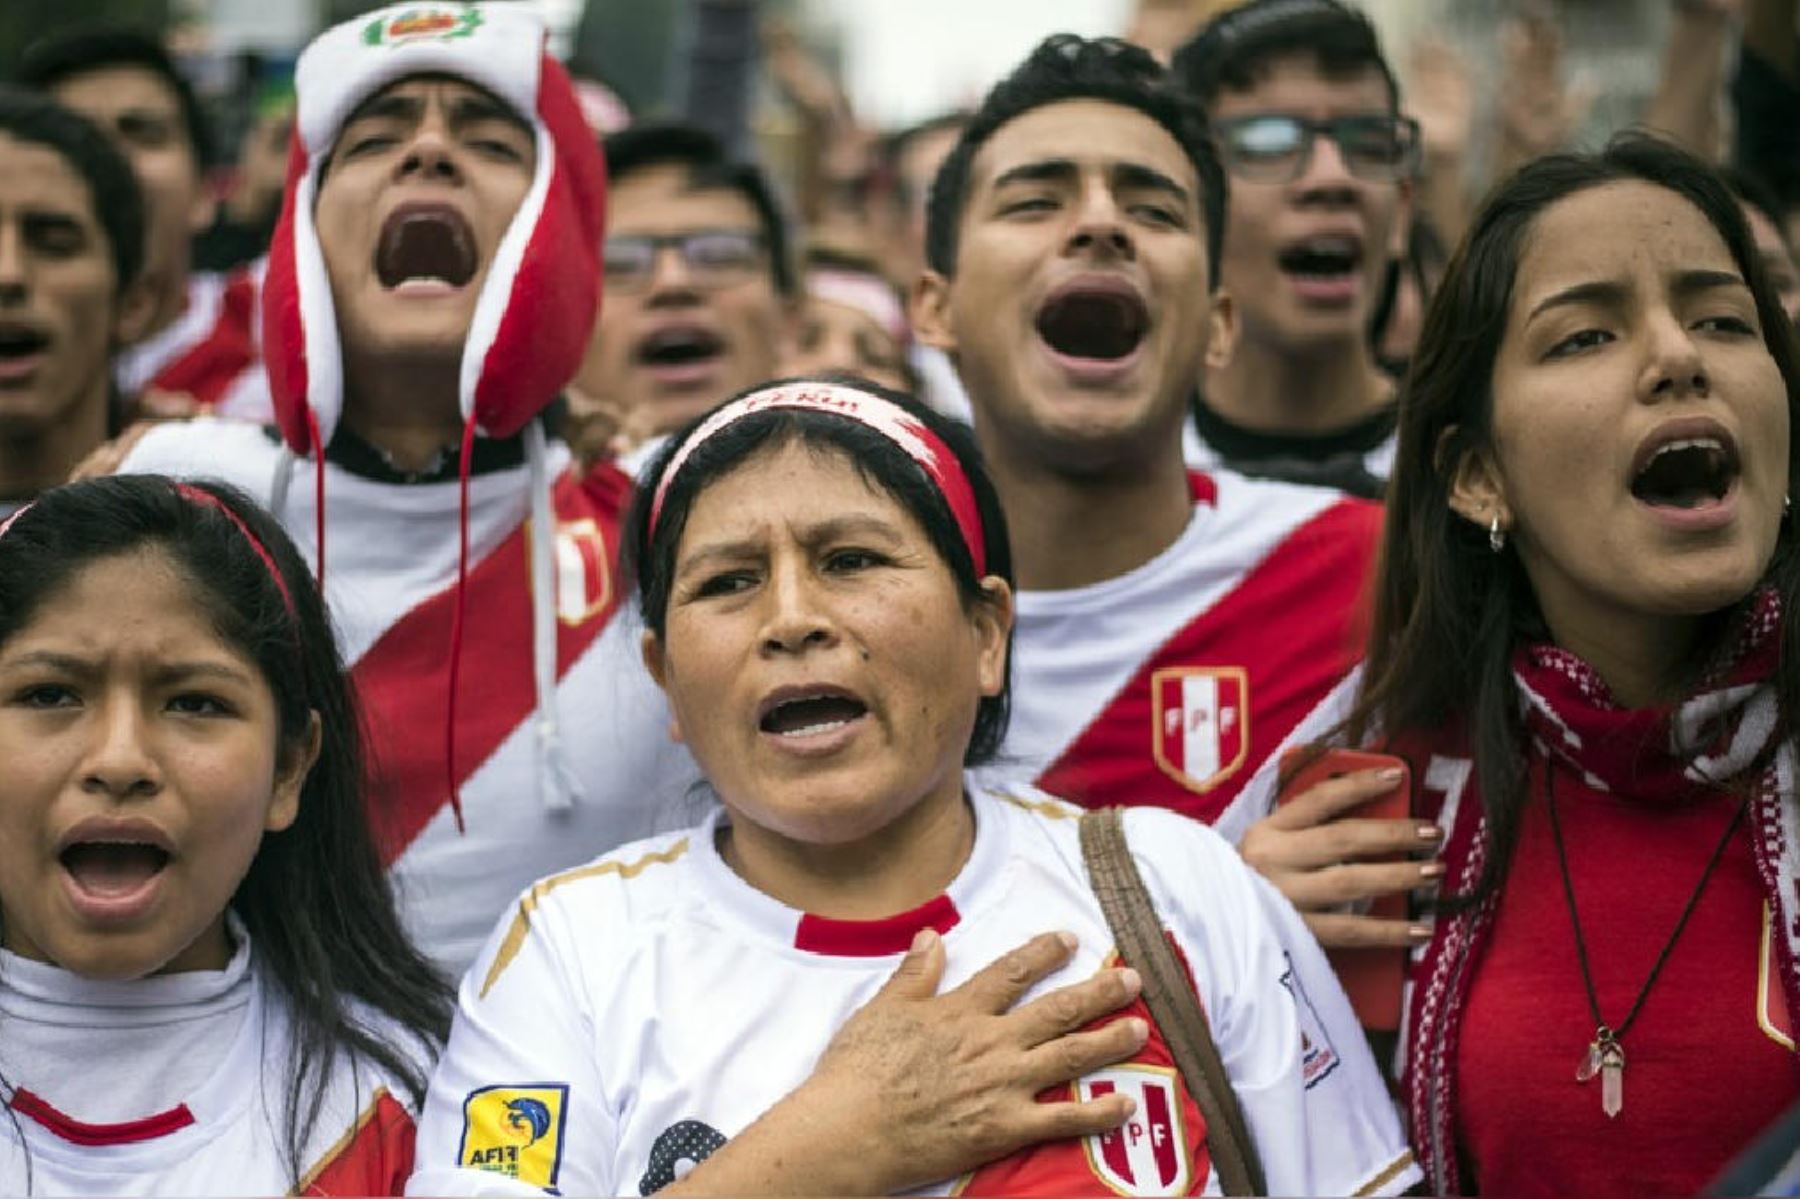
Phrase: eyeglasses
x=1277 y=148
x=711 y=257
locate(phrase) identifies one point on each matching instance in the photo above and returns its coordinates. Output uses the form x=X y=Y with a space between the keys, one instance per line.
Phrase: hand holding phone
x=1340 y=846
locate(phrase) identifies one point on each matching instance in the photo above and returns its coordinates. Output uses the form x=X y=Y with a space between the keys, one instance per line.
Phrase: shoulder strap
x=1138 y=932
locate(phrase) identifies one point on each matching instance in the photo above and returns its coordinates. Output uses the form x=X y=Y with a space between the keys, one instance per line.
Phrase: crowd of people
x=551 y=678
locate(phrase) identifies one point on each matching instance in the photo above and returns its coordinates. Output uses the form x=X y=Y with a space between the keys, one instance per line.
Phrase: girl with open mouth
x=204 y=988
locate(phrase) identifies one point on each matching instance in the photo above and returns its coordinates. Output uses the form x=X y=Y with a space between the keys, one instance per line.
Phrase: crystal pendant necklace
x=1605 y=1055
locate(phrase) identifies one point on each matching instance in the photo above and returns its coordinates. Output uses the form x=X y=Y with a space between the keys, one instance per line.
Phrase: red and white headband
x=895 y=423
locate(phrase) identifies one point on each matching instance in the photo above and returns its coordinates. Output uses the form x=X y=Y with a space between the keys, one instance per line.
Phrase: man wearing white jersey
x=1171 y=627
x=432 y=283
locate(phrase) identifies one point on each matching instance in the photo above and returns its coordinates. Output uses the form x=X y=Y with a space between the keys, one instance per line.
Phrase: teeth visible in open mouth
x=812 y=716
x=1687 y=473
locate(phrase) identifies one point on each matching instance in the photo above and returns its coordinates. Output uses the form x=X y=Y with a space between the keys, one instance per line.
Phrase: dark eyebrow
x=387 y=105
x=472 y=108
x=1133 y=174
x=166 y=673
x=813 y=534
x=1605 y=291
x=1048 y=170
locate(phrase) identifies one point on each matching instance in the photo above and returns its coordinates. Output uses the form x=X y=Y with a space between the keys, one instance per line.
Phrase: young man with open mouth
x=431 y=288
x=1172 y=627
x=1306 y=115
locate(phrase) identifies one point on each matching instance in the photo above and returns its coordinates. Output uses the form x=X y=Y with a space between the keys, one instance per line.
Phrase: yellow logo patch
x=515 y=1131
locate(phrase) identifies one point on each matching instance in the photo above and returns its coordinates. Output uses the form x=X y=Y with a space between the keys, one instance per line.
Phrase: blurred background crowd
x=850 y=103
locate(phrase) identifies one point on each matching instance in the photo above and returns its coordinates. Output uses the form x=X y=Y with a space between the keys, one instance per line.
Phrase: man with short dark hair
x=71 y=249
x=700 y=294
x=1306 y=114
x=200 y=347
x=1170 y=628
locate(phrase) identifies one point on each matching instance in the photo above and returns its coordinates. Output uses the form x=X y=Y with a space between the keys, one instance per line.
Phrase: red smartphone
x=1372 y=978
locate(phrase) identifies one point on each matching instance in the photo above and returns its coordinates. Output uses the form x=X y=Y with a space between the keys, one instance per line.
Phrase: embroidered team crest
x=422 y=24
x=515 y=1131
x=1201 y=723
x=583 y=580
x=1318 y=1057
x=1150 y=1154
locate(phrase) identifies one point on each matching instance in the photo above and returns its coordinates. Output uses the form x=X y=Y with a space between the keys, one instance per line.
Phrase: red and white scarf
x=1660 y=754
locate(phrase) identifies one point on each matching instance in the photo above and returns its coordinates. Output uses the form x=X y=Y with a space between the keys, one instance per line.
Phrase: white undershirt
x=106 y=1052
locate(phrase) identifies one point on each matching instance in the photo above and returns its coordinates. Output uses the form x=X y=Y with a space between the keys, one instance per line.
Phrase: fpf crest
x=1151 y=1153
x=1200 y=723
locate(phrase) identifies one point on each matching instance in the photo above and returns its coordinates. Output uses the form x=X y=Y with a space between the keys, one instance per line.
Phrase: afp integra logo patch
x=516 y=1131
x=422 y=24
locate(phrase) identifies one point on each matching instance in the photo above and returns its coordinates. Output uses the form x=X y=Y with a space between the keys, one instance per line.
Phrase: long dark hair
x=649 y=561
x=1448 y=610
x=314 y=901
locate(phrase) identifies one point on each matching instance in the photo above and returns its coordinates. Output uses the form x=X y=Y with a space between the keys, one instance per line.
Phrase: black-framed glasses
x=712 y=257
x=1277 y=147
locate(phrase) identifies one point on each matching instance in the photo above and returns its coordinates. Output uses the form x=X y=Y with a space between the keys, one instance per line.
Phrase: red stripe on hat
x=543 y=332
x=284 y=333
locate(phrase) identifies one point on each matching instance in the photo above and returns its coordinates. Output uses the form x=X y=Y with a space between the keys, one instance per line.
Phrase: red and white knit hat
x=536 y=306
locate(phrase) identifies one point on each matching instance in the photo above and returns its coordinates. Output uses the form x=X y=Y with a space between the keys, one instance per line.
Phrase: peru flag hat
x=536 y=305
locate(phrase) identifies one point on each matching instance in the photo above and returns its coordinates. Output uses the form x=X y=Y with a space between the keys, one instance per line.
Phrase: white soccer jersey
x=634 y=1014
x=1168 y=686
x=219 y=1131
x=390 y=573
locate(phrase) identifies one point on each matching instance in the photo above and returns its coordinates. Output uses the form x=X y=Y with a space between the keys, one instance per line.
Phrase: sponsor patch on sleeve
x=516 y=1131
x=1318 y=1057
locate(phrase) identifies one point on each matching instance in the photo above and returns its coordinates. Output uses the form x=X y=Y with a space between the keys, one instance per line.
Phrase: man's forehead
x=1300 y=82
x=1083 y=132
x=37 y=177
x=117 y=86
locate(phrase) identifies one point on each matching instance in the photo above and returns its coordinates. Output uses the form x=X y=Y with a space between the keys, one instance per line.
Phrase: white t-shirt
x=1169 y=685
x=390 y=573
x=634 y=1014
x=177 y=1085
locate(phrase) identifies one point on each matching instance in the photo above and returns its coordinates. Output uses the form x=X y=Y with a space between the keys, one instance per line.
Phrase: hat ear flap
x=537 y=308
x=300 y=336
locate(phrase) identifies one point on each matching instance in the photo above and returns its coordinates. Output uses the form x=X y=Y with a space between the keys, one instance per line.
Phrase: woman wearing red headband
x=825 y=582
x=204 y=988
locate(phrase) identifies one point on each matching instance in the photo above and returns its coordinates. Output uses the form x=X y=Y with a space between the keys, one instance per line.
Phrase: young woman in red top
x=1586 y=644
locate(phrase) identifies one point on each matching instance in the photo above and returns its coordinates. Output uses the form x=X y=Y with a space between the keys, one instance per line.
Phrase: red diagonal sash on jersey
x=1161 y=1150
x=209 y=367
x=404 y=677
x=374 y=1158
x=1235 y=680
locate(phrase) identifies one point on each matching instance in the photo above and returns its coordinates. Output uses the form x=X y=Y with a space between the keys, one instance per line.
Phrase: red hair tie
x=207 y=499
x=899 y=426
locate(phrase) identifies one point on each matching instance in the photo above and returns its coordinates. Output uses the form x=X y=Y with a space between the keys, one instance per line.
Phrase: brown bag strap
x=1138 y=931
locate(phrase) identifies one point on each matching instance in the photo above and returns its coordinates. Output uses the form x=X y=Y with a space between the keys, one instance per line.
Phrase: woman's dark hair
x=1067 y=67
x=314 y=901
x=649 y=561
x=118 y=205
x=1448 y=610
